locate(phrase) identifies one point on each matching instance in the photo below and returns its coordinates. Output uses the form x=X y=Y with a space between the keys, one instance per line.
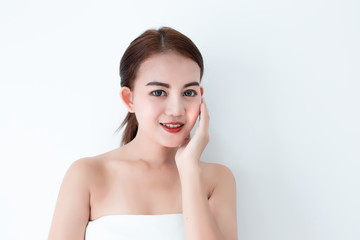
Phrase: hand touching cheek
x=191 y=149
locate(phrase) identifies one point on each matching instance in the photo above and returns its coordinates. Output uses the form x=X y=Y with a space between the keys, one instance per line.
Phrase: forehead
x=170 y=67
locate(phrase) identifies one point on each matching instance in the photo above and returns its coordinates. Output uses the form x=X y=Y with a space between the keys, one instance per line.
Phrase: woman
x=154 y=186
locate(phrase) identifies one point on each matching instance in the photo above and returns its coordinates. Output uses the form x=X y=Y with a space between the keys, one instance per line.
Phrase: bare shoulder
x=93 y=165
x=83 y=164
x=96 y=170
x=84 y=168
x=222 y=201
x=73 y=200
x=216 y=169
x=73 y=206
x=216 y=175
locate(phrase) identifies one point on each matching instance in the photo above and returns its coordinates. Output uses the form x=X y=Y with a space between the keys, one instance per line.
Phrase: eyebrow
x=168 y=86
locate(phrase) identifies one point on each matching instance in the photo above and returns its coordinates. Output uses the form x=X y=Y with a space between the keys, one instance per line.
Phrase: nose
x=175 y=106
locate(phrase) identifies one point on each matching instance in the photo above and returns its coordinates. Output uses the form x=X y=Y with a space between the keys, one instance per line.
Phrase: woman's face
x=167 y=90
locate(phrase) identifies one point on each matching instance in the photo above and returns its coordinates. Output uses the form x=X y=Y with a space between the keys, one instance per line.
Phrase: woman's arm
x=71 y=214
x=214 y=218
x=223 y=201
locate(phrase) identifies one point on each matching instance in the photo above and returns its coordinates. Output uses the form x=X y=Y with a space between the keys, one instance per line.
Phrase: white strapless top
x=137 y=227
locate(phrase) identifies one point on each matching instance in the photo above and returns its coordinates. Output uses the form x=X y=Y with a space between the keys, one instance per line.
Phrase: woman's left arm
x=213 y=218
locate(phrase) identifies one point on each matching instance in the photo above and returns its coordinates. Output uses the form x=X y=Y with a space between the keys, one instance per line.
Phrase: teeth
x=172 y=126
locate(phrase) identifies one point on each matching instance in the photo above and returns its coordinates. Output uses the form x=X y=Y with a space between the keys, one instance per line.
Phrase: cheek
x=146 y=110
x=149 y=114
x=145 y=105
x=193 y=114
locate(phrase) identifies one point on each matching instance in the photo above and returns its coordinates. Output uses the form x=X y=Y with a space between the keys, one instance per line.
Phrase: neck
x=152 y=153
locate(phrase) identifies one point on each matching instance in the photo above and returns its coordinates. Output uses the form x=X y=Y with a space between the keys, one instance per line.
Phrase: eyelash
x=193 y=91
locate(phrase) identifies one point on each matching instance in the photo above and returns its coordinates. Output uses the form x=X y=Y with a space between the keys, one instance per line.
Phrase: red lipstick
x=172 y=129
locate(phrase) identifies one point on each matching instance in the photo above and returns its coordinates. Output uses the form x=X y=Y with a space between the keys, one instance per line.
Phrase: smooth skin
x=166 y=176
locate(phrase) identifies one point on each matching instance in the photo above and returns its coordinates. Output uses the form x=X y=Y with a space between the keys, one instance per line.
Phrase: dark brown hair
x=147 y=44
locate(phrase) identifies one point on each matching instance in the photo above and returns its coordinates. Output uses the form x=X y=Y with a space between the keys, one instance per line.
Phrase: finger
x=200 y=107
x=204 y=117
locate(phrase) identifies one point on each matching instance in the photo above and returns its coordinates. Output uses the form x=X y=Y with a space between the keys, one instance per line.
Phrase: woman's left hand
x=191 y=149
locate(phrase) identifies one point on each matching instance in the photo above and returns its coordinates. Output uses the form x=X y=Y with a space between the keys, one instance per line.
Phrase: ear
x=127 y=97
x=202 y=90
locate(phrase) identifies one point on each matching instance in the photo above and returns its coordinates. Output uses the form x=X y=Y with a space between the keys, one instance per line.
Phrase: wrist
x=188 y=166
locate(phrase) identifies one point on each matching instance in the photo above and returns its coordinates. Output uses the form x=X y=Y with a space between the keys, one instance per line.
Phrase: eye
x=158 y=93
x=190 y=93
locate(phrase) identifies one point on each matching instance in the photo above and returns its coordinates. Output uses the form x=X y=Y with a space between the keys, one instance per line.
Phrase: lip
x=174 y=123
x=173 y=130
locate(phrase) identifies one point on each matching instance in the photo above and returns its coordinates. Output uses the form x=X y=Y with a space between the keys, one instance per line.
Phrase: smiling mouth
x=172 y=125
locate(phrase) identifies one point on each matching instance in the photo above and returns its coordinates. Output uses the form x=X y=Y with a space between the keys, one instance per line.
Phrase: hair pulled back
x=147 y=44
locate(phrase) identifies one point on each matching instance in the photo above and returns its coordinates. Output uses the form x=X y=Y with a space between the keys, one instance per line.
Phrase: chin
x=170 y=144
x=174 y=140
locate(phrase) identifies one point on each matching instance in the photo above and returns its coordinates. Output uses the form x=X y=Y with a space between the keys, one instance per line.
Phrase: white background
x=281 y=82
